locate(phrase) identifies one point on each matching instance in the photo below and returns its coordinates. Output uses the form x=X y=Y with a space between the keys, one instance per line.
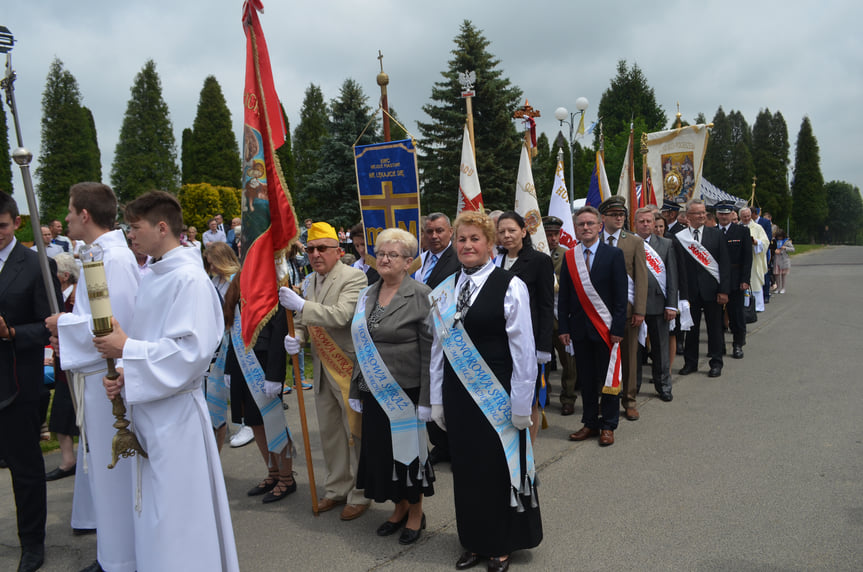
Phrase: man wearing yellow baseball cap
x=324 y=314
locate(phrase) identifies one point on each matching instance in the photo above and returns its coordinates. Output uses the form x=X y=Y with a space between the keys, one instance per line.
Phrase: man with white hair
x=760 y=242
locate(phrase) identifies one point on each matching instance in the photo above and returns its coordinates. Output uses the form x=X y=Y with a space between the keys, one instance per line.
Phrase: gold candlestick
x=125 y=443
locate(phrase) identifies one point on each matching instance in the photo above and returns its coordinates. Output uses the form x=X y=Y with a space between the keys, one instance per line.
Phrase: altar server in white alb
x=92 y=212
x=181 y=516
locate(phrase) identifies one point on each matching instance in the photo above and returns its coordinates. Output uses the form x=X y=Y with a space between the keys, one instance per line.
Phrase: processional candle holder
x=125 y=443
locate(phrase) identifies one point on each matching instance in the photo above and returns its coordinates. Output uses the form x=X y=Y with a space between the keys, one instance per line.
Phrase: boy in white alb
x=182 y=520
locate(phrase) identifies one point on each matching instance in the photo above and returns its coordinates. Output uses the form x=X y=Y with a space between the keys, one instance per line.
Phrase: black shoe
x=264 y=486
x=32 y=558
x=436 y=455
x=714 y=372
x=467 y=560
x=59 y=473
x=679 y=350
x=94 y=567
x=666 y=396
x=83 y=531
x=3 y=463
x=737 y=352
x=687 y=369
x=389 y=528
x=280 y=491
x=409 y=535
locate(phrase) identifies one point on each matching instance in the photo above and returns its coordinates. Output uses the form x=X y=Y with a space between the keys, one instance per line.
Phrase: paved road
x=761 y=469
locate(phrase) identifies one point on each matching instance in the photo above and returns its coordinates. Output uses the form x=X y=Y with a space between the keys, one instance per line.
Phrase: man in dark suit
x=24 y=305
x=613 y=211
x=708 y=279
x=765 y=223
x=568 y=379
x=607 y=272
x=661 y=299
x=739 y=243
x=670 y=210
x=438 y=262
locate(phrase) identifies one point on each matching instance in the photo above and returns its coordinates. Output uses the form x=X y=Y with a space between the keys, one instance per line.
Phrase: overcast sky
x=797 y=58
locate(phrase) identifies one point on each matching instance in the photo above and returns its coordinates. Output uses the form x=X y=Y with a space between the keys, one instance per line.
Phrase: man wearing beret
x=568 y=386
x=324 y=313
x=613 y=211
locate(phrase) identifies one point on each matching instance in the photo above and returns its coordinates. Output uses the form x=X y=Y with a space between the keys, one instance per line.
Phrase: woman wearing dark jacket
x=536 y=270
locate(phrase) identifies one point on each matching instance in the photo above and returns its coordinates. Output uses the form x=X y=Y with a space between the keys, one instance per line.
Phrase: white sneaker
x=782 y=291
x=242 y=437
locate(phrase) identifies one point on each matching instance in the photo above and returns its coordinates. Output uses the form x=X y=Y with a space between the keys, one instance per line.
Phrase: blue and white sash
x=483 y=387
x=275 y=427
x=408 y=433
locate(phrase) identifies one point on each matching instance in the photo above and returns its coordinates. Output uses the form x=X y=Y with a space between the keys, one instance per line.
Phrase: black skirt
x=62 y=410
x=377 y=469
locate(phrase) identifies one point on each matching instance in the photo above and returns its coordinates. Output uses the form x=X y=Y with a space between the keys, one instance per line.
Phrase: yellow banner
x=340 y=367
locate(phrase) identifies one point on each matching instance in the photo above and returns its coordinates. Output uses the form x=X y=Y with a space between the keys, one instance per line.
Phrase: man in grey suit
x=661 y=299
x=324 y=315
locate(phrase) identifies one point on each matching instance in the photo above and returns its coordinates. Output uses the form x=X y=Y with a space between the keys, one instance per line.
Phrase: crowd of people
x=431 y=352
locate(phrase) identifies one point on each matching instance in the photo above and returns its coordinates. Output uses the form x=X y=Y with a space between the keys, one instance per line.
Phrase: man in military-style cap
x=568 y=381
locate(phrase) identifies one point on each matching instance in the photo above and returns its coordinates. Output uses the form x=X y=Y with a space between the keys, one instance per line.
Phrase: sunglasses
x=322 y=248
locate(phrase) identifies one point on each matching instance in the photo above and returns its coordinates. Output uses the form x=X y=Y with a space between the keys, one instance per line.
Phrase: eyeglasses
x=587 y=223
x=388 y=255
x=322 y=248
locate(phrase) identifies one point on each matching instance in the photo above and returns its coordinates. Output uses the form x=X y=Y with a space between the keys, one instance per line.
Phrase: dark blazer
x=608 y=276
x=24 y=306
x=536 y=270
x=656 y=302
x=446 y=265
x=700 y=283
x=636 y=268
x=739 y=242
x=403 y=337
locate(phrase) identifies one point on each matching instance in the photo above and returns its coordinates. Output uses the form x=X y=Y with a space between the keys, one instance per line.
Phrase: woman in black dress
x=395 y=313
x=497 y=510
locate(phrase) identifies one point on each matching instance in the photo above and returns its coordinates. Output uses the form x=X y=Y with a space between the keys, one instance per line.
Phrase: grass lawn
x=802 y=248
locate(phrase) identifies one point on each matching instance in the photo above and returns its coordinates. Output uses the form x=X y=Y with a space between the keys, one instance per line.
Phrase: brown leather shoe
x=567 y=409
x=353 y=511
x=326 y=504
x=584 y=433
x=606 y=438
x=631 y=413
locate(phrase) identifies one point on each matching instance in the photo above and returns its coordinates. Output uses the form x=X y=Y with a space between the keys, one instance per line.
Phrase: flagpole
x=631 y=176
x=644 y=188
x=383 y=79
x=301 y=403
x=467 y=79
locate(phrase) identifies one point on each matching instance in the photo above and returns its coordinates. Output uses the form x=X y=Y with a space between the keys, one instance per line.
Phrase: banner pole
x=298 y=387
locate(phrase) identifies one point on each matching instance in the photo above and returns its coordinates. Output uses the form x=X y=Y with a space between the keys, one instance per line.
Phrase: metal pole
x=22 y=158
x=571 y=157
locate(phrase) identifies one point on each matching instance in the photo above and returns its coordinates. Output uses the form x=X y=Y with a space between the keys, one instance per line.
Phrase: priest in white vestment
x=760 y=243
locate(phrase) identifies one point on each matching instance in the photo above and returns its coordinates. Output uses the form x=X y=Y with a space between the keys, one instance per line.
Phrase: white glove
x=228 y=380
x=424 y=413
x=570 y=350
x=437 y=416
x=356 y=405
x=543 y=357
x=292 y=345
x=290 y=299
x=272 y=389
x=521 y=421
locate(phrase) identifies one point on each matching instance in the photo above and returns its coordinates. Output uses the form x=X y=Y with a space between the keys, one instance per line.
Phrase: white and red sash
x=598 y=314
x=656 y=266
x=698 y=253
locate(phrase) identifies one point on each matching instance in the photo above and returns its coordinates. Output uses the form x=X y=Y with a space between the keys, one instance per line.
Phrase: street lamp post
x=563 y=115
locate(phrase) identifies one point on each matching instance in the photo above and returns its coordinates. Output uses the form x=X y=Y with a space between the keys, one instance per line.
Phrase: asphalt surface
x=758 y=470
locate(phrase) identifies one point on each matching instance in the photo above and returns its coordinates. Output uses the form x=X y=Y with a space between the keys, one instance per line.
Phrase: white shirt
x=213 y=236
x=51 y=250
x=519 y=329
x=4 y=254
x=605 y=236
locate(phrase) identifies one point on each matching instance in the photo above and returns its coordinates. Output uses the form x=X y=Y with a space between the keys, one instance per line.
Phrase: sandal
x=264 y=486
x=280 y=491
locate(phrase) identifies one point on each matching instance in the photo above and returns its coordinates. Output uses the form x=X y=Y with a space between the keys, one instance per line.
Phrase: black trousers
x=591 y=362
x=20 y=425
x=713 y=317
x=736 y=319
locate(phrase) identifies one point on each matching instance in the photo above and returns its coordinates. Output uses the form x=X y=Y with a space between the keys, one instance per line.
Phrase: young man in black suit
x=24 y=305
x=739 y=243
x=607 y=271
x=705 y=253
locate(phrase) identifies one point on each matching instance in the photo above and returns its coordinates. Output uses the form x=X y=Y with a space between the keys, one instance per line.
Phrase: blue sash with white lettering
x=483 y=387
x=217 y=391
x=275 y=426
x=408 y=432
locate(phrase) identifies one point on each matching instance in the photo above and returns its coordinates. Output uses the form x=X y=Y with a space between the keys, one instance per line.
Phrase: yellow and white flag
x=526 y=204
x=469 y=192
x=675 y=158
x=559 y=205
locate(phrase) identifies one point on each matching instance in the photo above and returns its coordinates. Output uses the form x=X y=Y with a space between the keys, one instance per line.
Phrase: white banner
x=526 y=204
x=559 y=205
